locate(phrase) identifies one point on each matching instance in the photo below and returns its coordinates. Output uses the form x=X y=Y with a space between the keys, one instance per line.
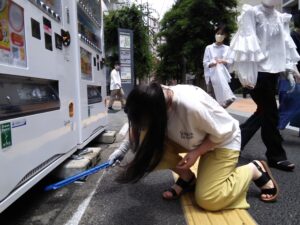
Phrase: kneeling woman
x=166 y=121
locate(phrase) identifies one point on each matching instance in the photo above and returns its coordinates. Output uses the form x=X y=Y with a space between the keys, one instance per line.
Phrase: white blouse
x=213 y=53
x=262 y=43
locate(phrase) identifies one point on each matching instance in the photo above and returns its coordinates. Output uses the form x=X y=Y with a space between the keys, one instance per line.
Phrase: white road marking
x=75 y=220
x=124 y=129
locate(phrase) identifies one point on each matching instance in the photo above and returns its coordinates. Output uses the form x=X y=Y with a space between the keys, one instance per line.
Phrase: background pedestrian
x=116 y=91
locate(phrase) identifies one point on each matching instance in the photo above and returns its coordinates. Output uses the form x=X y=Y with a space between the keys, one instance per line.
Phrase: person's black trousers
x=266 y=117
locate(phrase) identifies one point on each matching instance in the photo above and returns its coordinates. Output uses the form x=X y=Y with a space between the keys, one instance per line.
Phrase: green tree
x=129 y=17
x=187 y=29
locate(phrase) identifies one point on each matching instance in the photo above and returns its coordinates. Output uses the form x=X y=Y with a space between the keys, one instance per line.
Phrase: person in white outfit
x=116 y=91
x=262 y=49
x=216 y=63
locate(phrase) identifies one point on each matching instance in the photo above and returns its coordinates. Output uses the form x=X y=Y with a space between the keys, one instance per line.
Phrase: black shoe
x=282 y=165
x=110 y=108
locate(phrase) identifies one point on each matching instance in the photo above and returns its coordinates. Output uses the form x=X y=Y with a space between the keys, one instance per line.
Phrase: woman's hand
x=222 y=61
x=189 y=160
x=212 y=65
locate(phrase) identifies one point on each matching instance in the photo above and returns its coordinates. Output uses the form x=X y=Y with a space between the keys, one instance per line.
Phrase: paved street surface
x=286 y=210
x=100 y=200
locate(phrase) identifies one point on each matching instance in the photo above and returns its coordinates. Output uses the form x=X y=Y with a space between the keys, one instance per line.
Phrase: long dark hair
x=146 y=109
x=223 y=29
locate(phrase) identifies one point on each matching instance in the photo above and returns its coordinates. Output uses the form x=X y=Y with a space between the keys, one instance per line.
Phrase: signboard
x=5 y=132
x=126 y=59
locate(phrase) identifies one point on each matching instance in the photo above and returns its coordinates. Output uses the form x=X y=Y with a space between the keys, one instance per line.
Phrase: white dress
x=218 y=75
x=262 y=44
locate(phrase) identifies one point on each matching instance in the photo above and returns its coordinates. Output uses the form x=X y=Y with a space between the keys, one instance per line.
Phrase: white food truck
x=52 y=87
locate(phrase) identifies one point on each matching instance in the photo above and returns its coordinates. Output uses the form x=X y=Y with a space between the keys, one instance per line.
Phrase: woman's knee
x=209 y=204
x=208 y=201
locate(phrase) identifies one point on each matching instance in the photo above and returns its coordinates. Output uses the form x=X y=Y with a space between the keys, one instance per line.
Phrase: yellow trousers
x=220 y=184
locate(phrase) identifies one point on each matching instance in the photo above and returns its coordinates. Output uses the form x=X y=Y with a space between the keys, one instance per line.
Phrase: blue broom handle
x=73 y=178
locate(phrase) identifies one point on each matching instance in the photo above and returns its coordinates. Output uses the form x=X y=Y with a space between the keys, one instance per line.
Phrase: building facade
x=249 y=2
x=289 y=6
x=256 y=2
x=116 y=4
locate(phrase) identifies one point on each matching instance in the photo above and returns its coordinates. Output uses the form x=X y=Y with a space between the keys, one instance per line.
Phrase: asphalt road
x=101 y=200
x=286 y=211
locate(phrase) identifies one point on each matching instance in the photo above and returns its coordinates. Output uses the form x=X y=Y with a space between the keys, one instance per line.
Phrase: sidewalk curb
x=90 y=156
x=75 y=164
x=122 y=133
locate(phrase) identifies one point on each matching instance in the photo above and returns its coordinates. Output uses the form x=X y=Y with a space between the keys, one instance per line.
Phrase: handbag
x=219 y=80
x=289 y=105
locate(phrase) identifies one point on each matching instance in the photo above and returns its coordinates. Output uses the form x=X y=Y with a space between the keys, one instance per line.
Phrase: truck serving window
x=22 y=96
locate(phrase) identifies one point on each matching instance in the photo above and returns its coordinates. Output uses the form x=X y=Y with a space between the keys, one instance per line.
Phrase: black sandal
x=187 y=186
x=265 y=178
x=283 y=165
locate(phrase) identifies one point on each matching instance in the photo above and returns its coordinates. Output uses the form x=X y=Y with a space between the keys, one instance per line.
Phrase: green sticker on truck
x=5 y=131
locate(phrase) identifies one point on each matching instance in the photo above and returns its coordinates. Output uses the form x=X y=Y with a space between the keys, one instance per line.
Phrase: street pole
x=149 y=33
